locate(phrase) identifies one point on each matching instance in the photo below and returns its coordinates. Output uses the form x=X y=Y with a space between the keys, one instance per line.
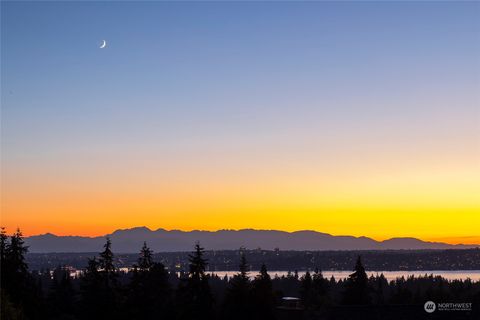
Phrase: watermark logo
x=430 y=306
x=454 y=306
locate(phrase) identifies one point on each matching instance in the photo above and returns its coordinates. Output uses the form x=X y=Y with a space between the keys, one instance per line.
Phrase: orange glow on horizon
x=362 y=199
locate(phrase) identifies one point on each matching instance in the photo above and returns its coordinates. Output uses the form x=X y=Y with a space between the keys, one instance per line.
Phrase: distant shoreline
x=227 y=260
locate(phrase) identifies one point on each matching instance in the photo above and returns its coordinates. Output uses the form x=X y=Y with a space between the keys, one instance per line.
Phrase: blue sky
x=246 y=65
x=308 y=85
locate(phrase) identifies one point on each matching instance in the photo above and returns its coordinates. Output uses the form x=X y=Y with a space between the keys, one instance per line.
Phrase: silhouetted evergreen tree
x=109 y=276
x=313 y=290
x=306 y=290
x=379 y=289
x=194 y=298
x=401 y=293
x=3 y=270
x=149 y=292
x=8 y=309
x=238 y=302
x=107 y=267
x=16 y=269
x=320 y=287
x=357 y=289
x=291 y=285
x=262 y=295
x=3 y=246
x=19 y=292
x=145 y=261
x=100 y=289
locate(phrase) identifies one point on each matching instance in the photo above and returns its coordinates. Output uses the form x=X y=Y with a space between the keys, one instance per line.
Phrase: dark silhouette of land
x=129 y=240
x=152 y=291
x=280 y=260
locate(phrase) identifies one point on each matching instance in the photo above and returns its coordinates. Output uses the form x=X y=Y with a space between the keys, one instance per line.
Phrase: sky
x=351 y=118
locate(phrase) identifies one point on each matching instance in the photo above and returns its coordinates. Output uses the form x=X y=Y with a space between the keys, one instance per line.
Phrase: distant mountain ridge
x=161 y=240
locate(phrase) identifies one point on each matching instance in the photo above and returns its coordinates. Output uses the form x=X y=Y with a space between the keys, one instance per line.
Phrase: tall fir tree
x=19 y=289
x=7 y=309
x=381 y=285
x=149 y=292
x=145 y=261
x=15 y=271
x=306 y=291
x=262 y=295
x=357 y=290
x=4 y=268
x=107 y=266
x=238 y=302
x=100 y=289
x=195 y=300
x=320 y=287
x=3 y=244
x=15 y=255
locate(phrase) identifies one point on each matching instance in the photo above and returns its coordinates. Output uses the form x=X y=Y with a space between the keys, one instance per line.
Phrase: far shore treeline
x=151 y=291
x=283 y=260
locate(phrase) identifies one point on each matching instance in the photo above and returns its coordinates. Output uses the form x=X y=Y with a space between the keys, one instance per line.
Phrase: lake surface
x=389 y=275
x=474 y=275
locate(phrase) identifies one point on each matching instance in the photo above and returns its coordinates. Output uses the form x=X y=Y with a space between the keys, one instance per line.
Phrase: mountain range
x=161 y=240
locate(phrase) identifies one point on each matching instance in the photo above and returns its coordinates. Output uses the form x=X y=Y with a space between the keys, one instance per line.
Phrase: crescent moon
x=104 y=44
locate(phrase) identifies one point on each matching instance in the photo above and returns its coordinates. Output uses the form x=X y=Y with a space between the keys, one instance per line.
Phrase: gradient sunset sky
x=358 y=118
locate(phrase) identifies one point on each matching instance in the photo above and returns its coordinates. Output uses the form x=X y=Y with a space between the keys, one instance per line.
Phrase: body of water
x=474 y=275
x=389 y=275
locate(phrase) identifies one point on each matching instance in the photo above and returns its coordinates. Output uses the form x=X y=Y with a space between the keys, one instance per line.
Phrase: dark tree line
x=20 y=295
x=149 y=291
